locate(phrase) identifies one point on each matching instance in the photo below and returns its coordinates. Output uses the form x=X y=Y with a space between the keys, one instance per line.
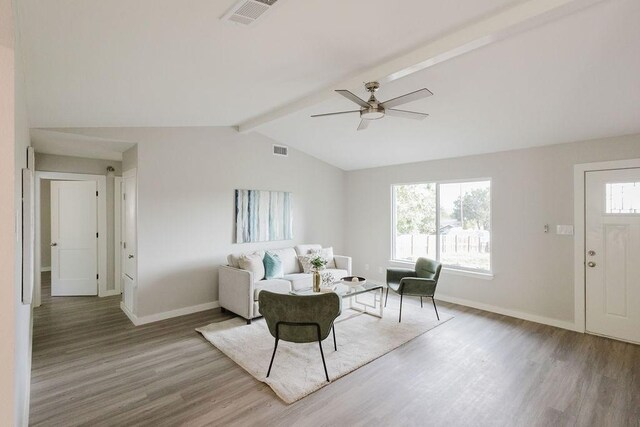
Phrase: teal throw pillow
x=272 y=266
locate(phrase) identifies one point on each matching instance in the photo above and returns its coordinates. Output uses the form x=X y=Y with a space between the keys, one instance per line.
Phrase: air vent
x=280 y=150
x=247 y=12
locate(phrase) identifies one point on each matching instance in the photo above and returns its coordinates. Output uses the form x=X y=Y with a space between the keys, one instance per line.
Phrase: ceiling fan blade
x=406 y=114
x=409 y=97
x=363 y=124
x=337 y=112
x=350 y=96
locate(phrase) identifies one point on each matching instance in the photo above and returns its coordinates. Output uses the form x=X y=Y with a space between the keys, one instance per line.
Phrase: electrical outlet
x=366 y=267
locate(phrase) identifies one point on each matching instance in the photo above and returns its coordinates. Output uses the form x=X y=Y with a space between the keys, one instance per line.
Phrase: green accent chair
x=421 y=282
x=300 y=319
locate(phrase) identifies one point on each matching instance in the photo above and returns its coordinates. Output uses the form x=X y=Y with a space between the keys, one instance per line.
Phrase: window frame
x=437 y=183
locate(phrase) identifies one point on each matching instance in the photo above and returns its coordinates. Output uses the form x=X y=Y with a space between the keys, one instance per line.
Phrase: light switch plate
x=564 y=230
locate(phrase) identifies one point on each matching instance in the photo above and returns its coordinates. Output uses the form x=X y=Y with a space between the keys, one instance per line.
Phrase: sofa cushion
x=279 y=286
x=299 y=280
x=289 y=260
x=272 y=266
x=305 y=263
x=326 y=253
x=305 y=249
x=234 y=259
x=336 y=273
x=254 y=264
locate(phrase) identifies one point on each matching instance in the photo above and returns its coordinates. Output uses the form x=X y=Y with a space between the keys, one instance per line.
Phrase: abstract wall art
x=263 y=216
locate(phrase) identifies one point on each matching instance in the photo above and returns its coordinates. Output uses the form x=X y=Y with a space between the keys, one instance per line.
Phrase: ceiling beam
x=518 y=18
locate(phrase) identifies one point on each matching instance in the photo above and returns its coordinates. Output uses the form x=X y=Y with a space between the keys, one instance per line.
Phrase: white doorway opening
x=101 y=221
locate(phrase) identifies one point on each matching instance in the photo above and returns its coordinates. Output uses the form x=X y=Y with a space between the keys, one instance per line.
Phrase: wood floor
x=91 y=366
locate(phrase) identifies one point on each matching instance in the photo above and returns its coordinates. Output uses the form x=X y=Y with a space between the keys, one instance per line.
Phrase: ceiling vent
x=280 y=150
x=247 y=12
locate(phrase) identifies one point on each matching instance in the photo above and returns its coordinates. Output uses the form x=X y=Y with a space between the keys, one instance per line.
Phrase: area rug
x=297 y=369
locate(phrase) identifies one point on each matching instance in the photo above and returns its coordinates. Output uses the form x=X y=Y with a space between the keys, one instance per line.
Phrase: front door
x=74 y=249
x=612 y=258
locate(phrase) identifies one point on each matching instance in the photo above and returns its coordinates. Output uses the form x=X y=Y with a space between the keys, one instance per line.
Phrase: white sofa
x=238 y=289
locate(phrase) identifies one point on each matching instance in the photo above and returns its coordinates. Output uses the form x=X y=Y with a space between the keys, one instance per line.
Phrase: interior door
x=612 y=259
x=74 y=239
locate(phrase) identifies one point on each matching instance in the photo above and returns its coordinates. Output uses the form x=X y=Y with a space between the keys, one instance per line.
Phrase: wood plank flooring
x=91 y=366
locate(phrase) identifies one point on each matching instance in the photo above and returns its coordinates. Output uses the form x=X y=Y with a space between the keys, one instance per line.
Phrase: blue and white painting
x=263 y=216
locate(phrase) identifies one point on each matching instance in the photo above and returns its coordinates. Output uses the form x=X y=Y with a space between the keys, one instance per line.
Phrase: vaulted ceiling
x=560 y=76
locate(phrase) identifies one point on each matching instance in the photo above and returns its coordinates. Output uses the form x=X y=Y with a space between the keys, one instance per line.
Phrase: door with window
x=74 y=238
x=612 y=258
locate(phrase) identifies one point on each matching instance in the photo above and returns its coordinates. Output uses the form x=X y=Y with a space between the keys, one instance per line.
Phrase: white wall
x=533 y=271
x=56 y=163
x=130 y=159
x=530 y=188
x=8 y=248
x=15 y=318
x=23 y=312
x=186 y=183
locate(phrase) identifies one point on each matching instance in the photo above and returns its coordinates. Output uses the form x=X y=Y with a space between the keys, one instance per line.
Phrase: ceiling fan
x=374 y=109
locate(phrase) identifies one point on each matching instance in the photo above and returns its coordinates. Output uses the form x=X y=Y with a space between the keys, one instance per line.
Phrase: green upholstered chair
x=300 y=318
x=421 y=281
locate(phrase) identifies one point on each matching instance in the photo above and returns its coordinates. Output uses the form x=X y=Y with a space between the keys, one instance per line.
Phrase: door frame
x=579 y=241
x=117 y=232
x=101 y=185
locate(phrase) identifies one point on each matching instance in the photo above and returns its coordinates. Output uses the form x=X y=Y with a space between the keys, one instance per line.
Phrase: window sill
x=447 y=270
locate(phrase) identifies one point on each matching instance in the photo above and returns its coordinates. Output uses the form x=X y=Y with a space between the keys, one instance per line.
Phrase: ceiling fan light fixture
x=375 y=110
x=372 y=113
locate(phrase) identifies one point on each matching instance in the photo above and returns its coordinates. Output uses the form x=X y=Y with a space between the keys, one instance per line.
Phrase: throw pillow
x=272 y=266
x=326 y=253
x=305 y=261
x=254 y=264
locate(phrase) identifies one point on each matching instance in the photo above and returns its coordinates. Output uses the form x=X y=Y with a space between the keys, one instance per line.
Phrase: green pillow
x=272 y=266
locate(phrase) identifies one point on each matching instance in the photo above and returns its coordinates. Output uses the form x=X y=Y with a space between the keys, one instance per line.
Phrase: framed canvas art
x=263 y=216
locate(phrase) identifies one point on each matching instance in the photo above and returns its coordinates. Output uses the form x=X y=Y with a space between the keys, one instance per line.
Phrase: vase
x=317 y=280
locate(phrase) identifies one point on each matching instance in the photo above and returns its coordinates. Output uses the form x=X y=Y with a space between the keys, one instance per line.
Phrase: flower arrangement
x=318 y=262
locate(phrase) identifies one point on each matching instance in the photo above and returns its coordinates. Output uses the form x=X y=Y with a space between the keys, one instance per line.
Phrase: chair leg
x=272 y=357
x=248 y=321
x=421 y=306
x=335 y=345
x=436 y=308
x=400 y=316
x=387 y=297
x=326 y=374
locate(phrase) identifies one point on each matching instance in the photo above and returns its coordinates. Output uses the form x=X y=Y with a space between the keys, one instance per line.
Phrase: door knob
x=591 y=264
x=130 y=256
x=591 y=253
x=54 y=244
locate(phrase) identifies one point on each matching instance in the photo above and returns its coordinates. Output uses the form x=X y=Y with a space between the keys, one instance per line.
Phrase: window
x=450 y=222
x=623 y=198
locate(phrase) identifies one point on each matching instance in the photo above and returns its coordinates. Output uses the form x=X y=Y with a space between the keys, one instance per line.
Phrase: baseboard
x=168 y=314
x=43 y=269
x=130 y=315
x=109 y=293
x=508 y=312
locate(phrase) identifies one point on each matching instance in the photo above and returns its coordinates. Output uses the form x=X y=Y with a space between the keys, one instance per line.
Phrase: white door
x=74 y=239
x=612 y=258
